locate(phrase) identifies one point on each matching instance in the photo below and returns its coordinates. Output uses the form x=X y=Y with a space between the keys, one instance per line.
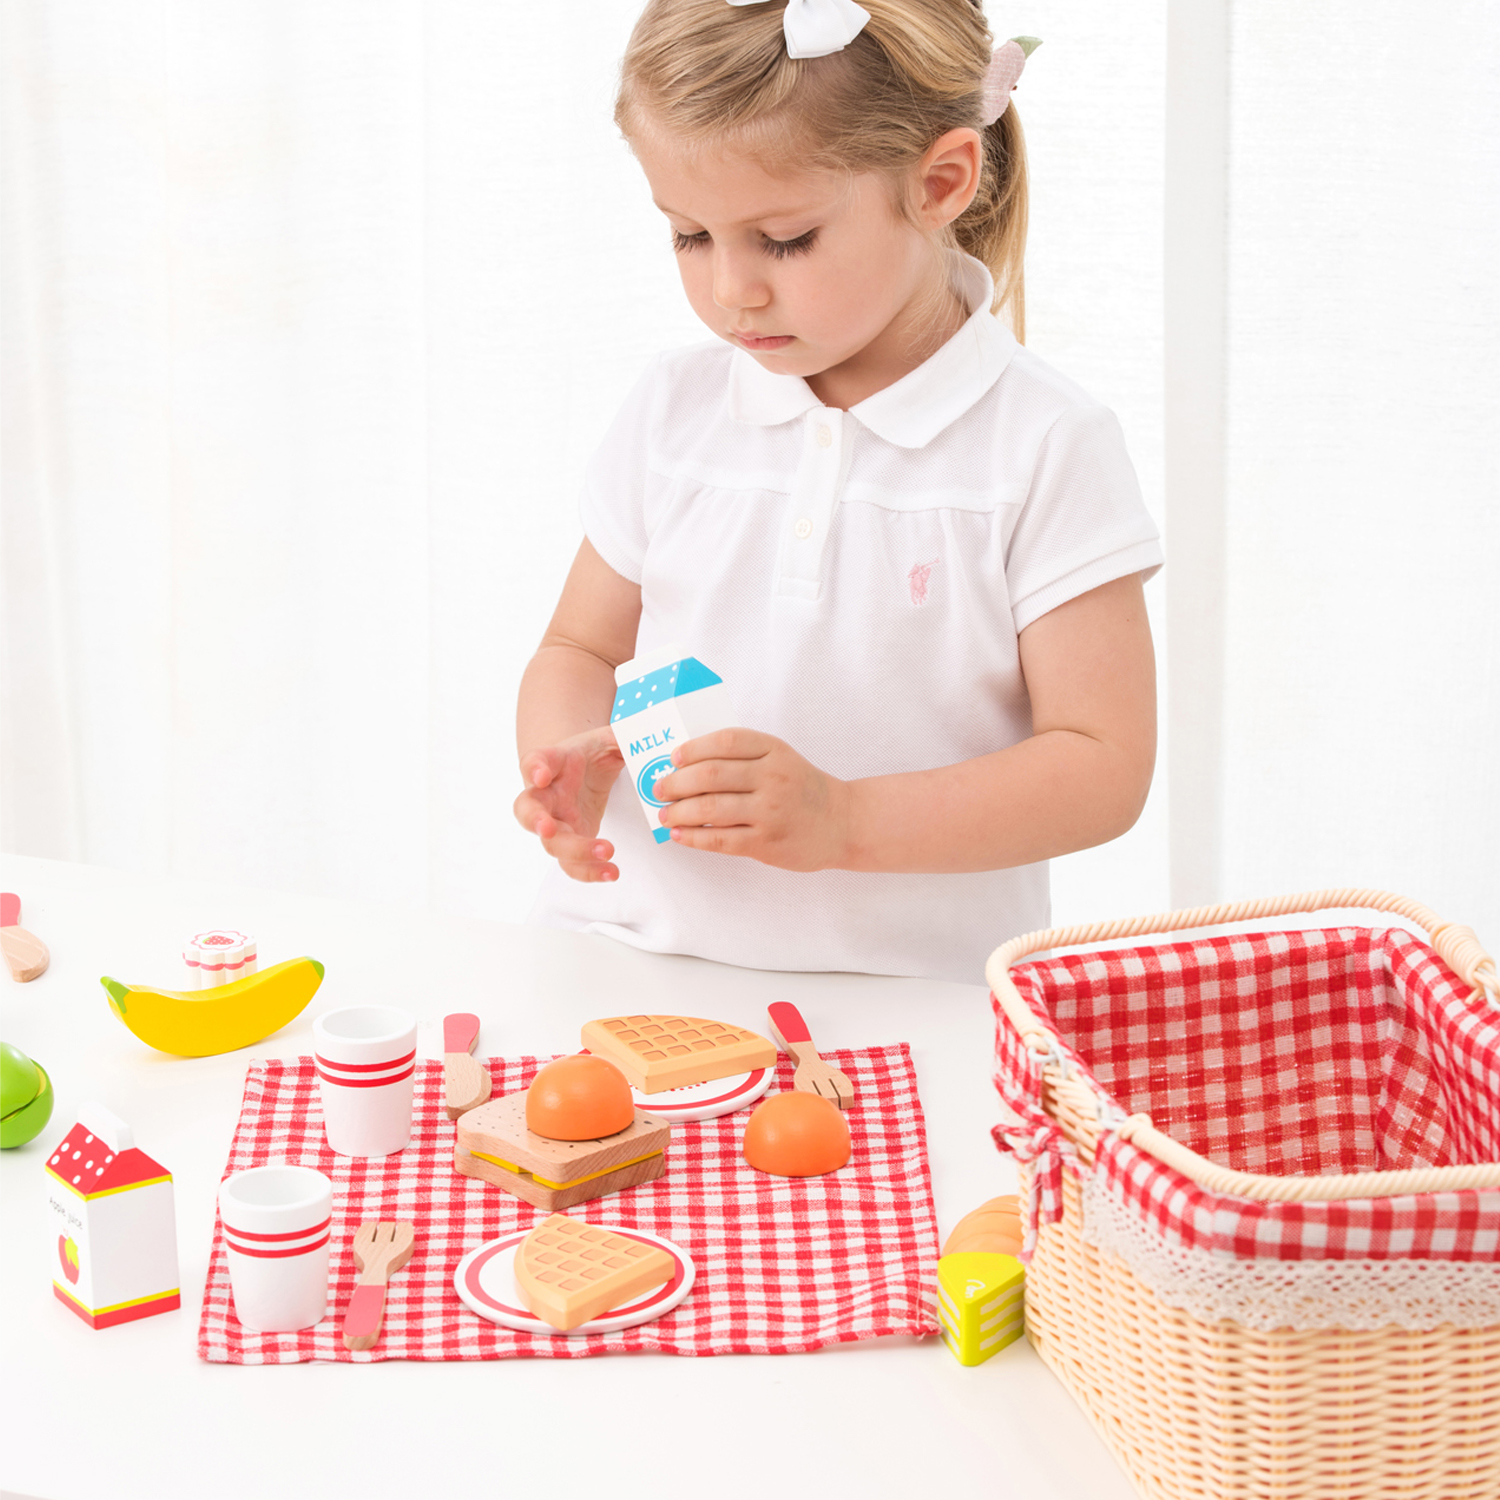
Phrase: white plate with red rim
x=485 y=1281
x=705 y=1101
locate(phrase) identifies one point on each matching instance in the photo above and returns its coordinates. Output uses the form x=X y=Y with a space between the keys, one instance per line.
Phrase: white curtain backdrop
x=1362 y=644
x=312 y=314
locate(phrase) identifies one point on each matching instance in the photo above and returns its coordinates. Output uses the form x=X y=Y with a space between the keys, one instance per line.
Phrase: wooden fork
x=813 y=1075
x=380 y=1250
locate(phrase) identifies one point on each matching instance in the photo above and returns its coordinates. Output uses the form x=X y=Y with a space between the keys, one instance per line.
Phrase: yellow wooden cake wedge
x=656 y=1053
x=569 y=1271
x=981 y=1303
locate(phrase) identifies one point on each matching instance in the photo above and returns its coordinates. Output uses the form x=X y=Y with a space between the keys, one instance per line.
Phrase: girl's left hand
x=737 y=791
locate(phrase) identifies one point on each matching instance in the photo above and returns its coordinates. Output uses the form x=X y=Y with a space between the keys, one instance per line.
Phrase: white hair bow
x=814 y=28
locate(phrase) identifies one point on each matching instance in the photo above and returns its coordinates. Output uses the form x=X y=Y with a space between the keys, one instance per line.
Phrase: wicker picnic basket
x=1288 y=1285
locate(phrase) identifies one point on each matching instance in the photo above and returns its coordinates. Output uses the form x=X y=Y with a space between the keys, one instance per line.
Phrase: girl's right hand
x=567 y=786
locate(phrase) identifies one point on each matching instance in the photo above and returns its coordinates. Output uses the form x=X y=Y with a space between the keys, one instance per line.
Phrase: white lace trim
x=1308 y=1295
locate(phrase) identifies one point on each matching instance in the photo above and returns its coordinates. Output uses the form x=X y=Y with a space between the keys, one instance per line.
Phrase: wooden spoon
x=380 y=1250
x=813 y=1075
x=25 y=954
x=466 y=1080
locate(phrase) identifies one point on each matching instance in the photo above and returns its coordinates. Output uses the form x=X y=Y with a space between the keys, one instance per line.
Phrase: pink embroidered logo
x=918 y=579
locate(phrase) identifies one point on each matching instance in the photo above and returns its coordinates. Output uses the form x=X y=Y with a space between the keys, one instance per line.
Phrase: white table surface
x=131 y=1411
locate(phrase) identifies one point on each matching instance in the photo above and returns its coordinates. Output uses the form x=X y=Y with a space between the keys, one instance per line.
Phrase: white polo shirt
x=859 y=580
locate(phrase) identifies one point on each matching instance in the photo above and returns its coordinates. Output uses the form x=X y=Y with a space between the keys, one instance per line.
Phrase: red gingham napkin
x=1287 y=1053
x=783 y=1264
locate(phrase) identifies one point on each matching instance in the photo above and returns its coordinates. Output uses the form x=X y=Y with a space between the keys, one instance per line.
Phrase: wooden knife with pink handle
x=466 y=1080
x=813 y=1075
x=380 y=1250
x=25 y=954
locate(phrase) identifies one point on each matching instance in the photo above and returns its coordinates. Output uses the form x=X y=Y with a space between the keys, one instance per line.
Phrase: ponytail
x=993 y=227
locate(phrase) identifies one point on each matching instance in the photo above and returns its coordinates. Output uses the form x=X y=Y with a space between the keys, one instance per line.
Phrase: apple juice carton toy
x=662 y=700
x=116 y=1229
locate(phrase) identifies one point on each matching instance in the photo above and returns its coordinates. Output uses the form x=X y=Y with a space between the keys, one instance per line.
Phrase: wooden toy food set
x=693 y=1278
x=1285 y=1152
x=574 y=1134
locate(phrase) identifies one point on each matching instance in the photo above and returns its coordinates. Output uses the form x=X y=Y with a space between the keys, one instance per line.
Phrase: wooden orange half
x=797 y=1135
x=579 y=1099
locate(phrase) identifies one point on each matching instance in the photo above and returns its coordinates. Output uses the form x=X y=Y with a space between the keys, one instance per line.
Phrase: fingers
x=720 y=809
x=587 y=871
x=581 y=858
x=723 y=744
x=540 y=767
x=716 y=840
x=707 y=776
x=528 y=810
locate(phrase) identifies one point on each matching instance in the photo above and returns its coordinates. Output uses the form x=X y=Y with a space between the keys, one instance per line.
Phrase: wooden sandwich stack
x=575 y=1134
x=496 y=1142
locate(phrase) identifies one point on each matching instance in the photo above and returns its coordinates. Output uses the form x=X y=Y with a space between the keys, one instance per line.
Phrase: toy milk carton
x=663 y=699
x=115 y=1225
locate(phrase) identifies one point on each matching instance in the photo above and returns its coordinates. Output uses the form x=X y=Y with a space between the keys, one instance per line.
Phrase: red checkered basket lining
x=784 y=1265
x=1281 y=1053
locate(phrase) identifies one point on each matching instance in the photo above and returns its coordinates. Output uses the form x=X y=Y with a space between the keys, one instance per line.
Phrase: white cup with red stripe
x=277 y=1221
x=366 y=1056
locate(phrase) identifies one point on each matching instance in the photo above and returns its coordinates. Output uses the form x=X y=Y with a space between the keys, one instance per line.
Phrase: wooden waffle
x=569 y=1271
x=657 y=1053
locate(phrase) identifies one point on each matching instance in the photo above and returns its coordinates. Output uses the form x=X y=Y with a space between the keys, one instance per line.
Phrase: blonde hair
x=705 y=70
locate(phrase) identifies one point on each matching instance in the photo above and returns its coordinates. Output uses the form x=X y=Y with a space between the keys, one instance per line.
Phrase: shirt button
x=803 y=528
x=825 y=437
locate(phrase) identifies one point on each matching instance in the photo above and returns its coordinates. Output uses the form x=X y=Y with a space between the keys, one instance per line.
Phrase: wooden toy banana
x=204 y=1022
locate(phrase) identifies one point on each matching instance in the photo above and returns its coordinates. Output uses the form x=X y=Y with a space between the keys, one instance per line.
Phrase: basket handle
x=1458 y=946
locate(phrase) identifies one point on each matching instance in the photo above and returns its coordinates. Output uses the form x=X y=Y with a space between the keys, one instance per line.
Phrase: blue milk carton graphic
x=663 y=699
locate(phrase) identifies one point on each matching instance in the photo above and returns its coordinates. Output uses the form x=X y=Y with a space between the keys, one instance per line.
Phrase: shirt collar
x=917 y=407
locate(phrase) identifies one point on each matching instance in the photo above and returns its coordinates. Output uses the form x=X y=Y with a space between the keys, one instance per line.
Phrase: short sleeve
x=1084 y=522
x=613 y=504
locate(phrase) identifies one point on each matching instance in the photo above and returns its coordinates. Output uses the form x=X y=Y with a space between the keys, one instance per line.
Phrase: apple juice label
x=663 y=700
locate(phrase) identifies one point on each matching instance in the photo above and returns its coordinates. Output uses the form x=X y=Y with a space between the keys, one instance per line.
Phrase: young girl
x=912 y=550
